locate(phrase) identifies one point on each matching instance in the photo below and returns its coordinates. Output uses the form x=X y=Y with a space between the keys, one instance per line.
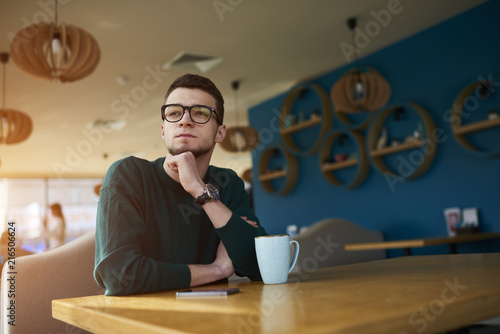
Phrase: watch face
x=212 y=192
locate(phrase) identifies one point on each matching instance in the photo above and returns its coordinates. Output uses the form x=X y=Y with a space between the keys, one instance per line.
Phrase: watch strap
x=210 y=193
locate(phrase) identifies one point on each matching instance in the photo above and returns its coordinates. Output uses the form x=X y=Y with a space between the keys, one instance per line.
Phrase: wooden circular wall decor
x=460 y=130
x=247 y=175
x=345 y=118
x=376 y=91
x=75 y=56
x=15 y=126
x=325 y=119
x=426 y=145
x=289 y=171
x=359 y=160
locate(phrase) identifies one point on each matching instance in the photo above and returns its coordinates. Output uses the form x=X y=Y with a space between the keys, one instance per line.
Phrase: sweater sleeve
x=238 y=235
x=121 y=267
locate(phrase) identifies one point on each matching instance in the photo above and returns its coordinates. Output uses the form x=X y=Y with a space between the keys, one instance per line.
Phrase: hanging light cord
x=5 y=57
x=236 y=85
x=355 y=47
x=56 y=16
x=352 y=24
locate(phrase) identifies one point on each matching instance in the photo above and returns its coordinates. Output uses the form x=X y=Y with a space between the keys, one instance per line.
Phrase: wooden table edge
x=60 y=310
x=410 y=243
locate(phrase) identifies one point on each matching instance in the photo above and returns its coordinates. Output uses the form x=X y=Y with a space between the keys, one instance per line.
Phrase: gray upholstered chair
x=62 y=272
x=322 y=245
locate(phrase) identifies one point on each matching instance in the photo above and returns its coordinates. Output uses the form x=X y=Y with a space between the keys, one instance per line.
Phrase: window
x=26 y=201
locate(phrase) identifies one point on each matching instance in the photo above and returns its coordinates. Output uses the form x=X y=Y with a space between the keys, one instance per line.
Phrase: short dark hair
x=194 y=81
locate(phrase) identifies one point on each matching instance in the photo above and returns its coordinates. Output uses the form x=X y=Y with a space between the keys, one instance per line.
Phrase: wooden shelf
x=477 y=126
x=428 y=145
x=361 y=163
x=288 y=173
x=324 y=120
x=302 y=125
x=421 y=242
x=397 y=148
x=460 y=131
x=327 y=167
x=272 y=175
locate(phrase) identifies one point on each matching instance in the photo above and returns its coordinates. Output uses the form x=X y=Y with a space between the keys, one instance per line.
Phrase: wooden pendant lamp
x=360 y=89
x=52 y=51
x=15 y=126
x=240 y=138
x=374 y=88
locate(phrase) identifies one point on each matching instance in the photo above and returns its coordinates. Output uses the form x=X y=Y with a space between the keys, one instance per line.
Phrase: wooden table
x=415 y=294
x=407 y=245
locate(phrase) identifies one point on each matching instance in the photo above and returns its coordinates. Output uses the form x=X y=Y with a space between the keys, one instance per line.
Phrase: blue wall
x=430 y=69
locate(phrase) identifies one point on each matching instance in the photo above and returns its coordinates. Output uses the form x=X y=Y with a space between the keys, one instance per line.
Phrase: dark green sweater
x=149 y=230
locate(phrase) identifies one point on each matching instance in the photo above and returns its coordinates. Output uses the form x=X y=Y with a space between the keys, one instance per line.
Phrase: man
x=176 y=222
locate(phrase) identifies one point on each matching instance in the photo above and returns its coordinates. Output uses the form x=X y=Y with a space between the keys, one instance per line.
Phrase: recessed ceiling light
x=122 y=80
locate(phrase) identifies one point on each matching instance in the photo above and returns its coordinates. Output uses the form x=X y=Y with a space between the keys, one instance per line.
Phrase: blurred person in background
x=55 y=227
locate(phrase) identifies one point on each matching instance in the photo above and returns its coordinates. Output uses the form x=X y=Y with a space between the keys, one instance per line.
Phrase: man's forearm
x=218 y=213
x=205 y=273
x=221 y=268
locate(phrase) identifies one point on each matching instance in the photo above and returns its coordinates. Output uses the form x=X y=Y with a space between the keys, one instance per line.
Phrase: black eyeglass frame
x=184 y=108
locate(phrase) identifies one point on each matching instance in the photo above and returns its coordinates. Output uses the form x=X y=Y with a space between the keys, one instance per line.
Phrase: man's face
x=185 y=135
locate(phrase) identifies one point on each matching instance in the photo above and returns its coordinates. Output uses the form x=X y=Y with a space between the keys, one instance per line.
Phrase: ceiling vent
x=192 y=61
x=107 y=124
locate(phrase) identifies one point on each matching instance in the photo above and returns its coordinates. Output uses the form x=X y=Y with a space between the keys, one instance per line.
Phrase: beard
x=197 y=151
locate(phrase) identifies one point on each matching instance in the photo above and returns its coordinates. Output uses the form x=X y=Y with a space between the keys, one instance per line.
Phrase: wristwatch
x=210 y=194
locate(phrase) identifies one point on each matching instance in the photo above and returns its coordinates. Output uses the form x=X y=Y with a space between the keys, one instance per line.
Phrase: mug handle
x=295 y=254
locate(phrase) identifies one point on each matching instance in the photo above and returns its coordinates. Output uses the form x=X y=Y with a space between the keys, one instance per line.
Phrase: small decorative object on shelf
x=315 y=114
x=292 y=230
x=395 y=142
x=419 y=132
x=382 y=140
x=289 y=120
x=411 y=139
x=340 y=156
x=453 y=216
x=493 y=114
x=460 y=222
x=469 y=218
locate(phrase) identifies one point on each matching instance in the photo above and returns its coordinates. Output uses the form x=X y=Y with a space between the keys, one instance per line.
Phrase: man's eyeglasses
x=199 y=114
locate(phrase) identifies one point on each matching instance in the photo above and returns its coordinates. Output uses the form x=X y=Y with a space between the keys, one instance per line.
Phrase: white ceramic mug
x=273 y=256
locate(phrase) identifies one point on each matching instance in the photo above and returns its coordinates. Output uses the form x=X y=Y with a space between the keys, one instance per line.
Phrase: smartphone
x=209 y=292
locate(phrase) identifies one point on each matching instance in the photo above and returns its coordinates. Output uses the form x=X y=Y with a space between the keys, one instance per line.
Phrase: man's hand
x=223 y=261
x=184 y=164
x=251 y=222
x=222 y=267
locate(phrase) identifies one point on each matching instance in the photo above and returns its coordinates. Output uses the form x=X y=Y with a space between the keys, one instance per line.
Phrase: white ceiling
x=268 y=45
